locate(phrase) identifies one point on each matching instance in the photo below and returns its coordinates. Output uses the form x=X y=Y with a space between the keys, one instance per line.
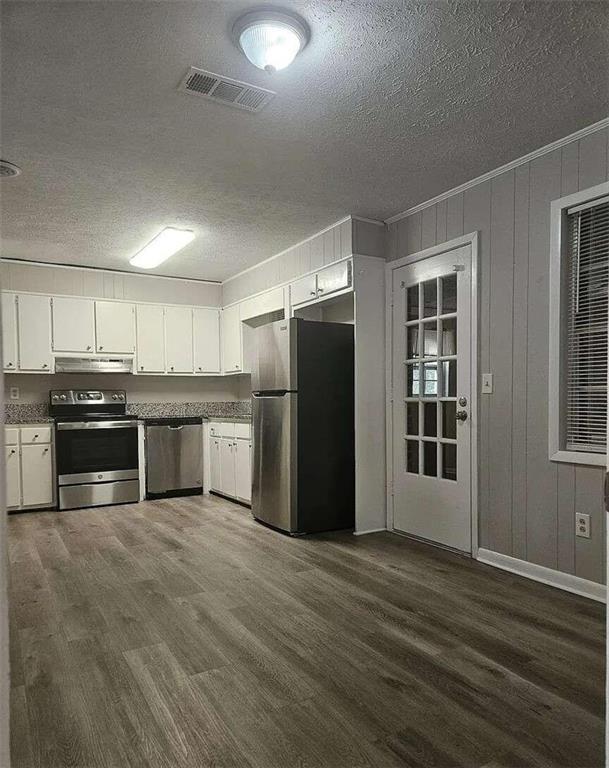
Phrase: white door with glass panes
x=432 y=412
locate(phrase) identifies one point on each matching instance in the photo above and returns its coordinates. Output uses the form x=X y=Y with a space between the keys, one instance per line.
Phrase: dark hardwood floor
x=181 y=633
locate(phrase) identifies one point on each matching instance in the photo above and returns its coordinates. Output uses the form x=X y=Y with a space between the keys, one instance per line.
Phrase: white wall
x=140 y=389
x=102 y=284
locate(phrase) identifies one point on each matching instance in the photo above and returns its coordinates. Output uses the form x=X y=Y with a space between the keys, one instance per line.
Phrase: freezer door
x=274 y=460
x=274 y=365
x=174 y=457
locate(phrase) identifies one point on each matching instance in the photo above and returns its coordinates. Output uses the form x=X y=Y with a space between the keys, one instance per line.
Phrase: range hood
x=93 y=365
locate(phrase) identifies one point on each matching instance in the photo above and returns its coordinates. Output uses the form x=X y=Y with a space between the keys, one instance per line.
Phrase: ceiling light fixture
x=169 y=241
x=8 y=170
x=271 y=39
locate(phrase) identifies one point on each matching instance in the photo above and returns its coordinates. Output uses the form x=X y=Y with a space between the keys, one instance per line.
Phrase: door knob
x=461 y=415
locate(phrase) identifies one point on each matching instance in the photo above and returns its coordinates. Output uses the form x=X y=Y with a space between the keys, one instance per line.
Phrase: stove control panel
x=86 y=396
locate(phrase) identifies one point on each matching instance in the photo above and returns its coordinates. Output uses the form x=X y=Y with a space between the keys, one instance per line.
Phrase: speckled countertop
x=240 y=410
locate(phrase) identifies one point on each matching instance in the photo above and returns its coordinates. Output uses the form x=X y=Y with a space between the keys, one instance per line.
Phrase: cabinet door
x=227 y=467
x=13 y=476
x=37 y=475
x=243 y=470
x=231 y=340
x=178 y=339
x=215 y=476
x=303 y=290
x=34 y=314
x=115 y=327
x=150 y=339
x=9 y=331
x=333 y=278
x=206 y=330
x=73 y=325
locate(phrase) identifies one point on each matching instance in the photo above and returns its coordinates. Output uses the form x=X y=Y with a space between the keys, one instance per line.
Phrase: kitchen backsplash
x=23 y=413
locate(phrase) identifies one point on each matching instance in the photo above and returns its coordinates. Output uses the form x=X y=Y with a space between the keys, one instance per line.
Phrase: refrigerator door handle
x=273 y=393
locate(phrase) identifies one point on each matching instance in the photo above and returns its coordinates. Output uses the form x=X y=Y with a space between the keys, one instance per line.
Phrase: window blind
x=587 y=326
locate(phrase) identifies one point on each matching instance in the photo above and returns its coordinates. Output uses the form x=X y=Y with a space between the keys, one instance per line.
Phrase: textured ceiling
x=390 y=104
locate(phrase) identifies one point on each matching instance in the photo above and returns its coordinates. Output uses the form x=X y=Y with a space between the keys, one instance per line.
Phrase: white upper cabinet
x=115 y=327
x=333 y=278
x=263 y=304
x=303 y=290
x=232 y=360
x=206 y=330
x=73 y=325
x=178 y=339
x=150 y=339
x=34 y=335
x=9 y=331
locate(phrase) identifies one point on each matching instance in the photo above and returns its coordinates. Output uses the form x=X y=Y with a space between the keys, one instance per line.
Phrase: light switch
x=14 y=393
x=487 y=383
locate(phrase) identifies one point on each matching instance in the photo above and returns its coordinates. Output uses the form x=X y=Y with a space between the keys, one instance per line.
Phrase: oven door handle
x=96 y=425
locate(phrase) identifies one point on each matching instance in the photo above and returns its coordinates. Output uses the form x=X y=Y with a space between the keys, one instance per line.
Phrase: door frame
x=471 y=239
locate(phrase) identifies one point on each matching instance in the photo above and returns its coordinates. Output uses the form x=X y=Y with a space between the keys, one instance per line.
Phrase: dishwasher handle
x=180 y=427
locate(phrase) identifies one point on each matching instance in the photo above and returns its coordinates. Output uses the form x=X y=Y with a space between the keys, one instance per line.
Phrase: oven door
x=96 y=451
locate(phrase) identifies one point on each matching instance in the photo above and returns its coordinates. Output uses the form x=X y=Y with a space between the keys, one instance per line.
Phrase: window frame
x=558 y=318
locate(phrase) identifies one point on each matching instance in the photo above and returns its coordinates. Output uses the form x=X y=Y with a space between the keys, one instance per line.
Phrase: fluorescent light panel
x=160 y=248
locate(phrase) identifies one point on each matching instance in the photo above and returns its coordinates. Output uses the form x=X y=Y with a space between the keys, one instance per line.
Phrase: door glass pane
x=449 y=461
x=449 y=294
x=430 y=379
x=430 y=459
x=449 y=336
x=412 y=418
x=430 y=298
x=412 y=303
x=412 y=456
x=430 y=339
x=430 y=419
x=412 y=341
x=412 y=380
x=449 y=419
x=449 y=378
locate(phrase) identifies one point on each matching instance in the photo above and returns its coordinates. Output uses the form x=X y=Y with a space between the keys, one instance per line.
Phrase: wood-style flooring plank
x=182 y=634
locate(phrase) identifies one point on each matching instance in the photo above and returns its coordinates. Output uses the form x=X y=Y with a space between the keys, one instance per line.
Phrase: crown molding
x=502 y=169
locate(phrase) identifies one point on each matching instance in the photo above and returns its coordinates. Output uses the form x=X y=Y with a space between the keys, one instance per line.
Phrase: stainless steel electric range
x=96 y=446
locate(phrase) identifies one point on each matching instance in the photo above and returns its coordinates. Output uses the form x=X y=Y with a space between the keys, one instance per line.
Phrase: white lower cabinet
x=36 y=476
x=243 y=469
x=227 y=466
x=13 y=477
x=230 y=449
x=30 y=477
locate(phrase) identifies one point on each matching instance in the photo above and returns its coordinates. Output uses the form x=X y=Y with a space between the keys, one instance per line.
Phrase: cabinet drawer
x=32 y=435
x=242 y=430
x=11 y=435
x=227 y=428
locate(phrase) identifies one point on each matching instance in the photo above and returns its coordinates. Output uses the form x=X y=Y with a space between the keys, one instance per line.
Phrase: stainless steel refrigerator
x=303 y=475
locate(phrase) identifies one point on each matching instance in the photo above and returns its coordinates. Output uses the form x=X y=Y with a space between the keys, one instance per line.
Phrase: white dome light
x=271 y=40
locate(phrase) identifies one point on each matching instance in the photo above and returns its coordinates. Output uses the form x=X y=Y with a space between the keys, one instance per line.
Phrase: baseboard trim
x=565 y=581
x=370 y=530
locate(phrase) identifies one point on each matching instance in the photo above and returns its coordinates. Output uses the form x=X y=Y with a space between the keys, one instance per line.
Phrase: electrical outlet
x=14 y=393
x=582 y=526
x=487 y=383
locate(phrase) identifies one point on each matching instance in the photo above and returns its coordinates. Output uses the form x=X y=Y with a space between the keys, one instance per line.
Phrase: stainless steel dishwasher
x=174 y=457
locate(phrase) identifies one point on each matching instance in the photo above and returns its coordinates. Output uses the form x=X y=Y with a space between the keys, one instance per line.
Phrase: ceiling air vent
x=225 y=90
x=8 y=170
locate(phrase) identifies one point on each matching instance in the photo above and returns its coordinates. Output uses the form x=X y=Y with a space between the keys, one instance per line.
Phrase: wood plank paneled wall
x=343 y=239
x=527 y=503
x=101 y=284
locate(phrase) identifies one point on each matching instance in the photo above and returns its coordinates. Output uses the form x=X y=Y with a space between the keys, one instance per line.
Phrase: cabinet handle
x=12 y=451
x=100 y=348
x=312 y=293
x=9 y=365
x=45 y=365
x=320 y=290
x=172 y=367
x=46 y=450
x=236 y=365
x=141 y=367
x=89 y=347
x=200 y=368
x=36 y=437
